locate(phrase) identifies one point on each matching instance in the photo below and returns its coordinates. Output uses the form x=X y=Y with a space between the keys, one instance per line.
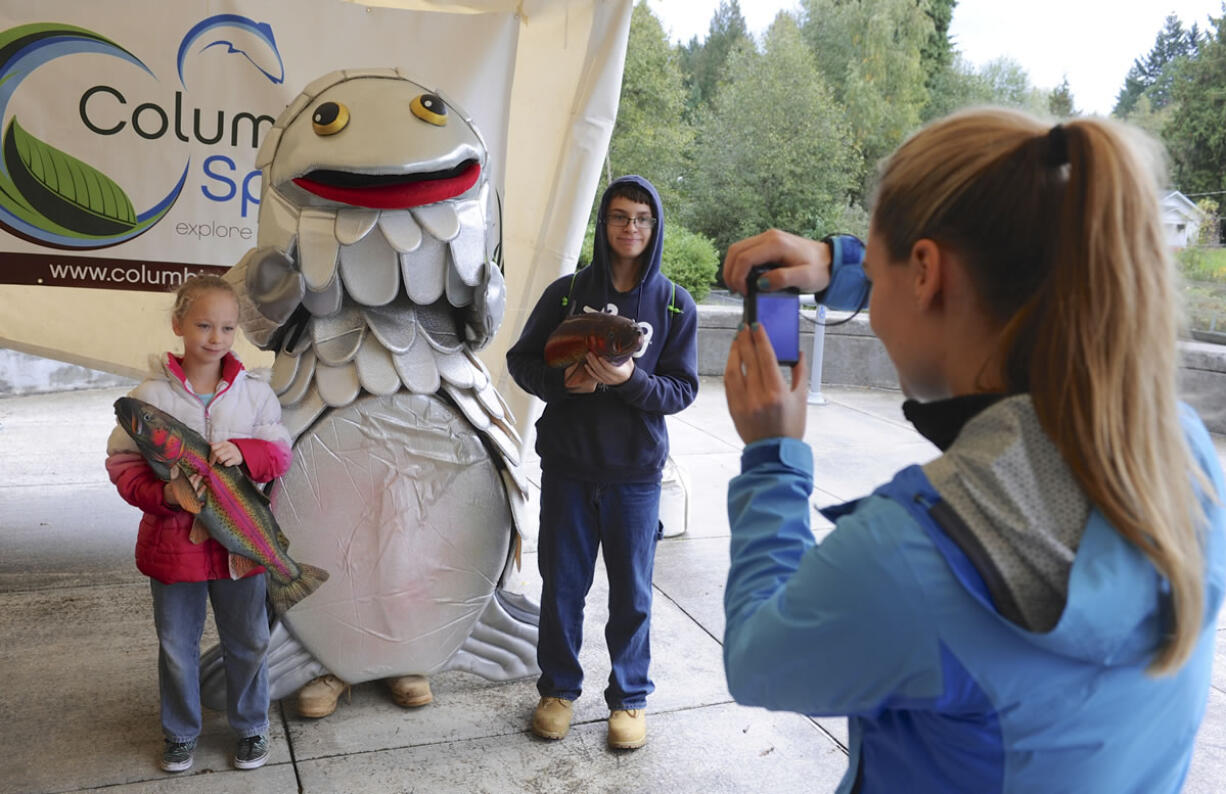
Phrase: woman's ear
x=928 y=273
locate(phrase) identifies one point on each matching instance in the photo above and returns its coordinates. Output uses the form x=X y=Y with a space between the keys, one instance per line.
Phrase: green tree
x=704 y=64
x=1002 y=81
x=1154 y=75
x=1060 y=101
x=775 y=149
x=1196 y=130
x=650 y=137
x=871 y=53
x=937 y=54
x=1008 y=84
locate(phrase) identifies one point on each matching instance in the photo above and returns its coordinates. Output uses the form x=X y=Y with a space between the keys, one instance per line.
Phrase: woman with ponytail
x=1034 y=609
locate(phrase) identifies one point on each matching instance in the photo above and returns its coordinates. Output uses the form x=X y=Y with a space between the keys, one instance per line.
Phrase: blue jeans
x=576 y=518
x=242 y=625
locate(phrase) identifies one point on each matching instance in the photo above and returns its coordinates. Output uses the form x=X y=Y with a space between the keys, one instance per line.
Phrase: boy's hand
x=578 y=380
x=805 y=263
x=608 y=373
x=226 y=453
x=761 y=404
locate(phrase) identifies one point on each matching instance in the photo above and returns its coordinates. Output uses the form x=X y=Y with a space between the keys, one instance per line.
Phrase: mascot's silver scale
x=375 y=277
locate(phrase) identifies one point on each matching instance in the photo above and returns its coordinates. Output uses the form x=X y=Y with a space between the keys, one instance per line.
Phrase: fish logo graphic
x=262 y=31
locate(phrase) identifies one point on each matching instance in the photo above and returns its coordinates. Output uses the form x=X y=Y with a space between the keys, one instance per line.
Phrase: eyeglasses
x=620 y=221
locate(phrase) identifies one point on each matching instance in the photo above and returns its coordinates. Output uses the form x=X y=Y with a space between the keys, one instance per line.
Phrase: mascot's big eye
x=429 y=109
x=330 y=118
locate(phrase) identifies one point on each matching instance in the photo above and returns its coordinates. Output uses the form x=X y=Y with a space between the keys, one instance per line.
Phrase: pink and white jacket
x=243 y=410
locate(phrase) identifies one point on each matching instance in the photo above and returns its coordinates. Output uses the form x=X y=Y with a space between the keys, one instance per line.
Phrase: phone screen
x=779 y=313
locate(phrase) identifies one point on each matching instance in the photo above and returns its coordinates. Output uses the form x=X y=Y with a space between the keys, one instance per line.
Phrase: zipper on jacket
x=222 y=386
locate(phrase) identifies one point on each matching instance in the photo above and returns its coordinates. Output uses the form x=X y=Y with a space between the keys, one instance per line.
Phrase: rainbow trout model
x=228 y=506
x=608 y=335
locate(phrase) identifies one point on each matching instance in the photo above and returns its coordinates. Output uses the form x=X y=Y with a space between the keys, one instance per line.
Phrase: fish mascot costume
x=375 y=277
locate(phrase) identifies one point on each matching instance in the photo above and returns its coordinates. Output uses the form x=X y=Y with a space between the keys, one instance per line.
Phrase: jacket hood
x=1080 y=589
x=655 y=248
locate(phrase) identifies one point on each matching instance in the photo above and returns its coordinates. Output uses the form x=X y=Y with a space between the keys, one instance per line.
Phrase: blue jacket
x=616 y=434
x=898 y=618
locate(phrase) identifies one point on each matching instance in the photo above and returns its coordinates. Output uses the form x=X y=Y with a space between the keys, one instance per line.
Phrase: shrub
x=689 y=258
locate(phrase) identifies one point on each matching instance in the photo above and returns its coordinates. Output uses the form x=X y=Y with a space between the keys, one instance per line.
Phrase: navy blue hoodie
x=616 y=434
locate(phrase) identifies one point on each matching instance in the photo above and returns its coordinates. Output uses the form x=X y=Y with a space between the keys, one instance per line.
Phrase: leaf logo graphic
x=48 y=196
x=63 y=190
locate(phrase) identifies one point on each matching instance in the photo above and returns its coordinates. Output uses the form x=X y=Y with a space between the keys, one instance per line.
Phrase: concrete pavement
x=78 y=650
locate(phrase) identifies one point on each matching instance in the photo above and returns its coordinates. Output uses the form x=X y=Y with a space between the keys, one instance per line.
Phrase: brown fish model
x=609 y=336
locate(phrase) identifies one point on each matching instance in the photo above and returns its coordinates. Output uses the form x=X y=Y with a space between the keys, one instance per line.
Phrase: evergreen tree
x=650 y=137
x=704 y=64
x=1154 y=74
x=937 y=54
x=1196 y=130
x=1060 y=101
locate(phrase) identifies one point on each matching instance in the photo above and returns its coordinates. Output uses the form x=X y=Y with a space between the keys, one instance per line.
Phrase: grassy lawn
x=1204 y=273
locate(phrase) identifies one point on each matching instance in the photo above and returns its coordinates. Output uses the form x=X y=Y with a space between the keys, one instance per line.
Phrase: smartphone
x=779 y=314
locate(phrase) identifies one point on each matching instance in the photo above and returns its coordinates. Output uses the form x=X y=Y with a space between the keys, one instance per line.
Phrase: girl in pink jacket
x=237 y=412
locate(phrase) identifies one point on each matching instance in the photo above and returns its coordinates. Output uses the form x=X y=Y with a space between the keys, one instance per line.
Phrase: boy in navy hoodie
x=603 y=442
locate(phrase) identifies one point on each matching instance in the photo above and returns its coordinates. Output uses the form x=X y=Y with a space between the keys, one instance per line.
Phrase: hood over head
x=655 y=247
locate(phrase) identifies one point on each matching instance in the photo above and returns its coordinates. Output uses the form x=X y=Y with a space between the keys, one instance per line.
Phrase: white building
x=1181 y=218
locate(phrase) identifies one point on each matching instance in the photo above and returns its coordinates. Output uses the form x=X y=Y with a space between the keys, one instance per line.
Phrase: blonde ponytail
x=1062 y=234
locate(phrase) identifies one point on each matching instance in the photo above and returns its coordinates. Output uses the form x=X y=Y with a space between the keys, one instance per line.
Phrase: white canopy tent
x=568 y=57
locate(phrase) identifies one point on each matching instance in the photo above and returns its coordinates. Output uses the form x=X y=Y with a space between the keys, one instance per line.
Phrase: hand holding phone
x=778 y=312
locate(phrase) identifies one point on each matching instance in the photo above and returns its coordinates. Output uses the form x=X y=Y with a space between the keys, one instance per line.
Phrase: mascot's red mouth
x=391 y=192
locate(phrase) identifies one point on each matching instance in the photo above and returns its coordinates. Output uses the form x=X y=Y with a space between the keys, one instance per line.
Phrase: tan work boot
x=627 y=729
x=551 y=720
x=410 y=691
x=318 y=697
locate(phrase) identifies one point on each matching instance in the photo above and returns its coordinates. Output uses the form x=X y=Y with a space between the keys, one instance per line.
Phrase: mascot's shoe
x=318 y=697
x=410 y=691
x=551 y=720
x=627 y=729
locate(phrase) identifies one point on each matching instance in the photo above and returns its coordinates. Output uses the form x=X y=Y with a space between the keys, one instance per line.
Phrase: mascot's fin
x=290 y=666
x=502 y=646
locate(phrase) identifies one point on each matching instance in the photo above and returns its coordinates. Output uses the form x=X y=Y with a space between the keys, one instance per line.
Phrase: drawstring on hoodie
x=672 y=307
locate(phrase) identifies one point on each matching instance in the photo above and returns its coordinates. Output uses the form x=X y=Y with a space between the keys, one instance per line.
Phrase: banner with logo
x=129 y=131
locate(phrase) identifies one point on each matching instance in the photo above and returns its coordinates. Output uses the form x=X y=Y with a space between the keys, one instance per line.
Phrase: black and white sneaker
x=252 y=752
x=177 y=756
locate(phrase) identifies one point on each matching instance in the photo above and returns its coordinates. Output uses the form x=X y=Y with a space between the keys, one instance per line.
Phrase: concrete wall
x=853 y=357
x=23 y=374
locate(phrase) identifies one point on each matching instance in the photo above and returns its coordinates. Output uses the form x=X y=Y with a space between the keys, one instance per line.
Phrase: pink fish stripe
x=234 y=507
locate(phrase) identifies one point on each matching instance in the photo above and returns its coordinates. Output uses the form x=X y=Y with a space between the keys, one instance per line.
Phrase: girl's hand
x=604 y=371
x=578 y=380
x=226 y=453
x=761 y=404
x=805 y=263
x=168 y=492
